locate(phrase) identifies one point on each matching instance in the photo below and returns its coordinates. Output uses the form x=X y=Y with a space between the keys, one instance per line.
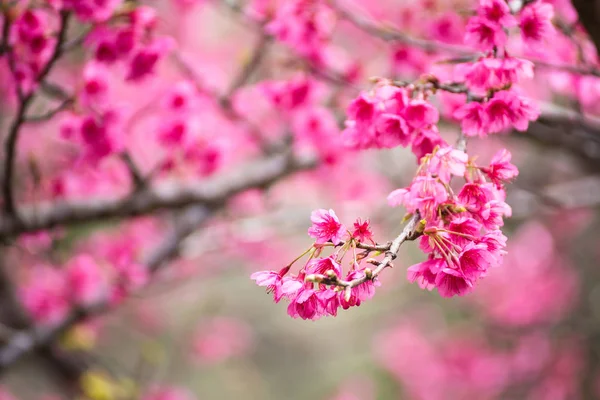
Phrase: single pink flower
x=475 y=196
x=392 y=131
x=426 y=194
x=523 y=111
x=499 y=113
x=420 y=114
x=474 y=261
x=305 y=305
x=479 y=75
x=473 y=119
x=322 y=265
x=535 y=21
x=500 y=169
x=329 y=302
x=46 y=295
x=448 y=161
x=85 y=280
x=143 y=62
x=326 y=227
x=496 y=11
x=466 y=230
x=425 y=272
x=362 y=109
x=492 y=214
x=451 y=282
x=426 y=140
x=484 y=34
x=362 y=231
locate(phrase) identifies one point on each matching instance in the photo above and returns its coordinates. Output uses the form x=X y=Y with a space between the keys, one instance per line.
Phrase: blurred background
x=184 y=320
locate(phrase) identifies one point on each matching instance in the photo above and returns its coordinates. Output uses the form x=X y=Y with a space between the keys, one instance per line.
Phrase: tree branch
x=24 y=103
x=410 y=232
x=589 y=16
x=210 y=193
x=391 y=35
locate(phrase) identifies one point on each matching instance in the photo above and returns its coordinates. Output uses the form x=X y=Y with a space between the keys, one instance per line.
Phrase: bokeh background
x=201 y=328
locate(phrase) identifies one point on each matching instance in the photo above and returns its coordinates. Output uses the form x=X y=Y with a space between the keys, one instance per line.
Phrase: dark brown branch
x=5 y=32
x=258 y=54
x=392 y=35
x=467 y=54
x=211 y=192
x=203 y=201
x=24 y=103
x=137 y=178
x=53 y=90
x=589 y=16
x=39 y=338
x=64 y=105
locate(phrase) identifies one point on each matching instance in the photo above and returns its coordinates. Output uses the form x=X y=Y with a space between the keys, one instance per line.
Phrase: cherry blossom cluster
x=321 y=285
x=304 y=25
x=462 y=236
x=50 y=293
x=32 y=44
x=459 y=226
x=127 y=45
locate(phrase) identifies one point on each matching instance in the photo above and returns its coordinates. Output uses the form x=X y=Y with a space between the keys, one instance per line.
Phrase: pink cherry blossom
x=85 y=280
x=362 y=231
x=305 y=305
x=500 y=169
x=326 y=227
x=322 y=265
x=496 y=11
x=451 y=282
x=45 y=296
x=420 y=114
x=425 y=272
x=535 y=22
x=484 y=34
x=474 y=119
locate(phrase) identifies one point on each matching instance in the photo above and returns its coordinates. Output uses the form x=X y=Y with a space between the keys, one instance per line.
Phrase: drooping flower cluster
x=462 y=236
x=460 y=231
x=322 y=286
x=393 y=116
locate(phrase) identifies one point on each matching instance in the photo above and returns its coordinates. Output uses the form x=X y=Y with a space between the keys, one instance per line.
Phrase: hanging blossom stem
x=412 y=230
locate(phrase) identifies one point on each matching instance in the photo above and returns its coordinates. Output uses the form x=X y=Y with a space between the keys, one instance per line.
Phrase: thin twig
x=391 y=35
x=258 y=54
x=64 y=105
x=410 y=232
x=137 y=178
x=24 y=103
x=210 y=192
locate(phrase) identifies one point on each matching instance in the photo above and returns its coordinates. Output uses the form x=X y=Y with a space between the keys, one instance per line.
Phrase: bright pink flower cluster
x=462 y=235
x=100 y=123
x=132 y=40
x=50 y=293
x=460 y=231
x=393 y=116
x=180 y=133
x=488 y=30
x=304 y=25
x=32 y=41
x=309 y=293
